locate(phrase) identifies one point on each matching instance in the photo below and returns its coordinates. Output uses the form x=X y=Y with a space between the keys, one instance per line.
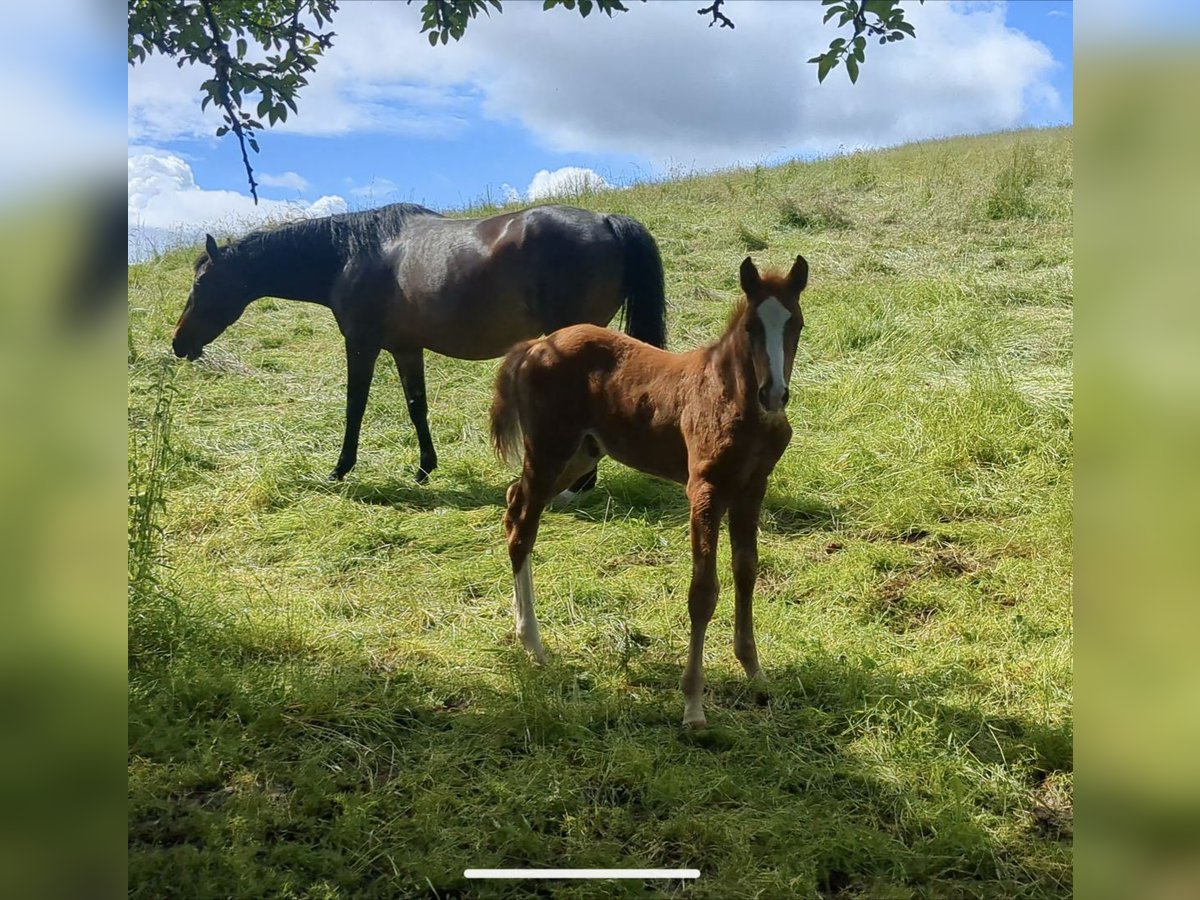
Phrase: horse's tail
x=507 y=438
x=645 y=297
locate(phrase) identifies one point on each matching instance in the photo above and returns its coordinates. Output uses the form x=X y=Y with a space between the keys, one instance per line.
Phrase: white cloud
x=292 y=180
x=376 y=189
x=568 y=181
x=653 y=82
x=648 y=84
x=166 y=205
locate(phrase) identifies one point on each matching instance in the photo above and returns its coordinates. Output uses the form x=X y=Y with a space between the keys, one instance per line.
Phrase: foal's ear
x=749 y=277
x=798 y=277
x=210 y=246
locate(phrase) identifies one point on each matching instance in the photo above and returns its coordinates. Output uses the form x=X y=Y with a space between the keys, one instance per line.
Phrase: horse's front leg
x=411 y=366
x=743 y=538
x=360 y=369
x=706 y=513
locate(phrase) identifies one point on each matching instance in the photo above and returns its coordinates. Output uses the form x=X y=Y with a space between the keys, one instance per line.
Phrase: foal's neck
x=731 y=356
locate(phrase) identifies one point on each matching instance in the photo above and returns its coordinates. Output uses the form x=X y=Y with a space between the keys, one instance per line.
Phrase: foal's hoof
x=422 y=476
x=695 y=724
x=335 y=475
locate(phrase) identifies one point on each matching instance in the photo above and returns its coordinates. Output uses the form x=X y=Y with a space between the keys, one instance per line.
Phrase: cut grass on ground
x=326 y=699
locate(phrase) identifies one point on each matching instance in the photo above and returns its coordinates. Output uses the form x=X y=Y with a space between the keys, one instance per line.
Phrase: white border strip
x=581 y=873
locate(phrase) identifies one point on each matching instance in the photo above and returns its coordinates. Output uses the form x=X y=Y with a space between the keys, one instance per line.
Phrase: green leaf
x=549 y=4
x=241 y=47
x=833 y=11
x=852 y=69
x=433 y=38
x=585 y=7
x=906 y=28
x=827 y=62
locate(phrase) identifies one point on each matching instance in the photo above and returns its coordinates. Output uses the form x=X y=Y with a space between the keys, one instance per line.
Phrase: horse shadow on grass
x=399 y=774
x=467 y=491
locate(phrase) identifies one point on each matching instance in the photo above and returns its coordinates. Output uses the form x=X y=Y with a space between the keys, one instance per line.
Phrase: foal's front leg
x=743 y=538
x=706 y=513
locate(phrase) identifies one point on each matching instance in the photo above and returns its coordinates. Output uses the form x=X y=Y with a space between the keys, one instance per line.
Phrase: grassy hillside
x=326 y=699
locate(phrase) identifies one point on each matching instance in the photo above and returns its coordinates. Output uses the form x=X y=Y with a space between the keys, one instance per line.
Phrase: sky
x=532 y=102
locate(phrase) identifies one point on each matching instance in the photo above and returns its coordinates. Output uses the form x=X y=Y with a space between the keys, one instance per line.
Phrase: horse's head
x=218 y=297
x=773 y=321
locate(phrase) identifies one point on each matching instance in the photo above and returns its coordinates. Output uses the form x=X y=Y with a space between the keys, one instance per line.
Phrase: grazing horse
x=403 y=278
x=711 y=419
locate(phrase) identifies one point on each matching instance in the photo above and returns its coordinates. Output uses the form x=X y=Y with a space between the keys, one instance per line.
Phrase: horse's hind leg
x=411 y=366
x=526 y=500
x=360 y=370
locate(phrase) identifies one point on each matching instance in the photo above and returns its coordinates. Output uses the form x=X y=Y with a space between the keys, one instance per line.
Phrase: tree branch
x=717 y=15
x=221 y=63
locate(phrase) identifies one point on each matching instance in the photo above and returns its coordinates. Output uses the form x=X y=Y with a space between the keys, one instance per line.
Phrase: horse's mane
x=346 y=234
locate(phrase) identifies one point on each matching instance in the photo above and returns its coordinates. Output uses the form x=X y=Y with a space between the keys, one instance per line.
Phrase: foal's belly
x=661 y=454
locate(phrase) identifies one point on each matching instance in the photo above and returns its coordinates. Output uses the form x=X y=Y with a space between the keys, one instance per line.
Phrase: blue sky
x=647 y=93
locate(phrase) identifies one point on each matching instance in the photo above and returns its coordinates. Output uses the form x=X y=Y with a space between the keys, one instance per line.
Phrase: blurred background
x=1138 y=415
x=62 y=470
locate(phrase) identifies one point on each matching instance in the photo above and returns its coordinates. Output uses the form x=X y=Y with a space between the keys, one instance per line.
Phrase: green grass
x=332 y=704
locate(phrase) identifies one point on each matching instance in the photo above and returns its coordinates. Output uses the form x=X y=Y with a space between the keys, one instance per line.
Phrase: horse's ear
x=210 y=246
x=798 y=277
x=749 y=277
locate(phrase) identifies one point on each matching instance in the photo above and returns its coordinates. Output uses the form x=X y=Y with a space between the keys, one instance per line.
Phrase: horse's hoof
x=422 y=476
x=695 y=724
x=335 y=475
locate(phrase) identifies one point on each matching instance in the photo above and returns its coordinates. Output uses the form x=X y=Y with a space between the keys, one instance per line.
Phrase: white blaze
x=774 y=316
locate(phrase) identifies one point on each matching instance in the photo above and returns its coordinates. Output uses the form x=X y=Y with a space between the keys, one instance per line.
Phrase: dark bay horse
x=403 y=278
x=711 y=419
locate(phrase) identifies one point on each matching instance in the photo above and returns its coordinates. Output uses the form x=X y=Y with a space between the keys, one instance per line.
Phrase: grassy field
x=325 y=696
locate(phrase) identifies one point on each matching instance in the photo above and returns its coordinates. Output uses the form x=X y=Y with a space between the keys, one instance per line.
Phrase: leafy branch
x=218 y=36
x=886 y=23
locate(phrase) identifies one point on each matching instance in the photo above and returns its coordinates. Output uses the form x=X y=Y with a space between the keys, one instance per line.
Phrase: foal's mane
x=346 y=234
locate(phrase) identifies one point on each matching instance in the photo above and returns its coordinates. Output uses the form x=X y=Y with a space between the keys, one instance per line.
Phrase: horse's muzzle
x=185 y=352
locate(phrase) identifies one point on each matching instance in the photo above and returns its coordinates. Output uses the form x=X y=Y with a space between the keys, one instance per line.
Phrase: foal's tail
x=645 y=300
x=507 y=439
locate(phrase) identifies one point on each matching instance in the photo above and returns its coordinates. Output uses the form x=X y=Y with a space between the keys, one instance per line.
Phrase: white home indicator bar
x=581 y=873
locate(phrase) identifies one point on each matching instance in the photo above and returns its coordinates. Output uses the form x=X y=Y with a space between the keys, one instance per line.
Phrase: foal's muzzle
x=772 y=400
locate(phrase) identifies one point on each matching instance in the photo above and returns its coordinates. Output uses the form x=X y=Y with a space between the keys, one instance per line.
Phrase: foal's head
x=773 y=321
x=218 y=297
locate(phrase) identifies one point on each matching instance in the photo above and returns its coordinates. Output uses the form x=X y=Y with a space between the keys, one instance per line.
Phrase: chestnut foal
x=711 y=419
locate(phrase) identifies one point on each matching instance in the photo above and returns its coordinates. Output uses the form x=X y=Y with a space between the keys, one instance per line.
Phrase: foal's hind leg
x=411 y=365
x=526 y=500
x=579 y=474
